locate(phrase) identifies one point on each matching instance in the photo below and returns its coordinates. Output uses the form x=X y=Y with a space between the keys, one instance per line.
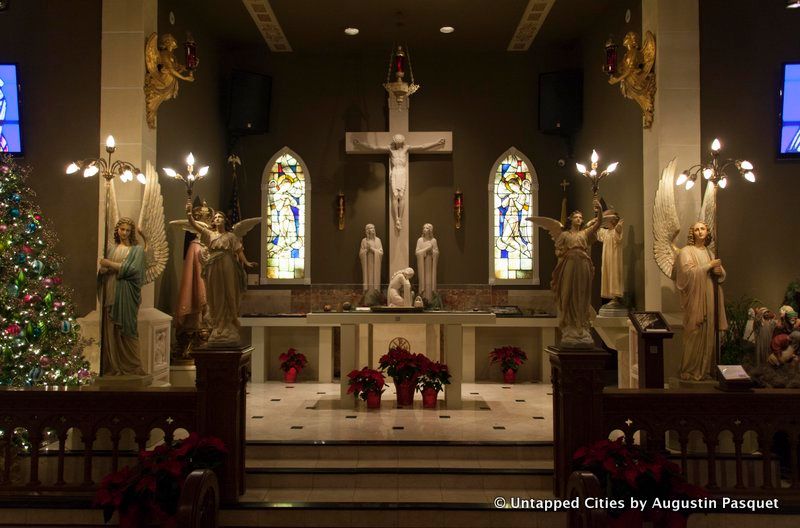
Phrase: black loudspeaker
x=248 y=105
x=561 y=102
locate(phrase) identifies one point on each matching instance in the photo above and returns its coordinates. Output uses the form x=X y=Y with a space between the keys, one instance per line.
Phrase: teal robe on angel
x=121 y=309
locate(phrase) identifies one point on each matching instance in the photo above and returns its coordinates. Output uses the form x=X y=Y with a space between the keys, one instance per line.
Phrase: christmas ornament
x=20 y=278
x=30 y=228
x=14 y=212
x=38 y=217
x=13 y=290
x=20 y=258
x=15 y=197
x=47 y=282
x=13 y=329
x=3 y=228
x=56 y=280
x=27 y=249
x=4 y=169
x=27 y=298
x=44 y=361
x=37 y=266
x=66 y=326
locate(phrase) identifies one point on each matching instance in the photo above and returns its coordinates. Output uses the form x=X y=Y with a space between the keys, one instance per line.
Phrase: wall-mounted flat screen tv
x=10 y=133
x=790 y=111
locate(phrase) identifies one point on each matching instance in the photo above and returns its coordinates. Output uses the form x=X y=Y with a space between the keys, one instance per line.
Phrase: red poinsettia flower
x=509 y=357
x=292 y=359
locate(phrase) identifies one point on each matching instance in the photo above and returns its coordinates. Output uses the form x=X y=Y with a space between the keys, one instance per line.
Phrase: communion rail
x=73 y=420
x=687 y=424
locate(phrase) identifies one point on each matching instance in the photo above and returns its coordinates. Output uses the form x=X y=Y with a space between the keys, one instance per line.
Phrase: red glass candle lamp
x=458 y=207
x=190 y=51
x=610 y=67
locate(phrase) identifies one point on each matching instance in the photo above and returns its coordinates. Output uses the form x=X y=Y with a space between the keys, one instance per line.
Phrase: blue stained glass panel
x=286 y=219
x=513 y=202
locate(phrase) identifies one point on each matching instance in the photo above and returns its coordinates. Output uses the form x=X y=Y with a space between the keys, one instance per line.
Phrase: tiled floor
x=312 y=411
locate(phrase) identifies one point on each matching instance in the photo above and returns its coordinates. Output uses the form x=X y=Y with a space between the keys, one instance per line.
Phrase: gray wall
x=613 y=125
x=742 y=47
x=57 y=48
x=489 y=101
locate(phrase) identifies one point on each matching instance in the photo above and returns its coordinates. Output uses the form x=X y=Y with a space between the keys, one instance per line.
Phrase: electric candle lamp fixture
x=715 y=171
x=191 y=178
x=108 y=170
x=592 y=173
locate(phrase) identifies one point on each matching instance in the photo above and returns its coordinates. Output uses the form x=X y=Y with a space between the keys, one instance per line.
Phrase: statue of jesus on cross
x=398 y=169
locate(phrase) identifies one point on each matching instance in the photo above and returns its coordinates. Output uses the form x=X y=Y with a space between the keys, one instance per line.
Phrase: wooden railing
x=671 y=420
x=74 y=419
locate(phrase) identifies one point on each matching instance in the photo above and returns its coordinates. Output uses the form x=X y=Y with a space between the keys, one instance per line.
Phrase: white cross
x=370 y=142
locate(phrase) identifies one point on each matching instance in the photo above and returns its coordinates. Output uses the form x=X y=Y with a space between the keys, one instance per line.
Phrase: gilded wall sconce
x=636 y=75
x=458 y=207
x=163 y=71
x=340 y=209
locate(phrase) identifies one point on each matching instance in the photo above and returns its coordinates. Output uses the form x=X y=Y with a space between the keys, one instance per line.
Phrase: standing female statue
x=427 y=252
x=224 y=273
x=122 y=273
x=572 y=277
x=371 y=254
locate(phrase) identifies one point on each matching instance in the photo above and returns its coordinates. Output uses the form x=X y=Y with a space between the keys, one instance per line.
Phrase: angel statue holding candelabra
x=572 y=277
x=696 y=272
x=137 y=257
x=224 y=271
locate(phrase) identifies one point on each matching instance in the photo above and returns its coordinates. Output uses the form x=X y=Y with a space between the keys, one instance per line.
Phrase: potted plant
x=149 y=492
x=628 y=472
x=434 y=377
x=367 y=384
x=292 y=362
x=510 y=358
x=404 y=368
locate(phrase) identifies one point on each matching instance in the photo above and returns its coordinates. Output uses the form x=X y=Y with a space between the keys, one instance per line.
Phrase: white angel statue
x=694 y=270
x=572 y=277
x=224 y=274
x=129 y=266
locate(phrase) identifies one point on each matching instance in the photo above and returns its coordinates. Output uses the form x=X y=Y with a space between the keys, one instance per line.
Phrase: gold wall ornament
x=636 y=75
x=163 y=72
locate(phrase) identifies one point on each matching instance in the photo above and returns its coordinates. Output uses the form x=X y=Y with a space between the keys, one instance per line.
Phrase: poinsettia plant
x=434 y=375
x=628 y=471
x=509 y=357
x=292 y=359
x=365 y=381
x=401 y=365
x=150 y=491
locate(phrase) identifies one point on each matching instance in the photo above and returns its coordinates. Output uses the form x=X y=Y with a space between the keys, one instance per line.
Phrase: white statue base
x=154 y=335
x=572 y=337
x=613 y=308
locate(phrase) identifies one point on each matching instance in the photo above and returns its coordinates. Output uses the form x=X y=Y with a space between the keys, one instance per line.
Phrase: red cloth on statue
x=192 y=294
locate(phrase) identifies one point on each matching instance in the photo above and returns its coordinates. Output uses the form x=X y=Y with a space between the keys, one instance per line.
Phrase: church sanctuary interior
x=399 y=263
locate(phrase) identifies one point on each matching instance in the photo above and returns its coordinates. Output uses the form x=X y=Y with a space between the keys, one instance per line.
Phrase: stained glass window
x=285 y=218
x=513 y=237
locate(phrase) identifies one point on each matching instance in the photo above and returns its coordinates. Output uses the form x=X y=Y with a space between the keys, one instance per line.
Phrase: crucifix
x=399 y=142
x=564 y=184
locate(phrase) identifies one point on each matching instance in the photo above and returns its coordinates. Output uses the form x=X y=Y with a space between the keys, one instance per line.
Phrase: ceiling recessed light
x=447 y=29
x=351 y=31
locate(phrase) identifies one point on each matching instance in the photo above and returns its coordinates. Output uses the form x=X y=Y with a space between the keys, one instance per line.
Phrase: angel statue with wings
x=224 y=274
x=572 y=277
x=636 y=78
x=696 y=273
x=138 y=256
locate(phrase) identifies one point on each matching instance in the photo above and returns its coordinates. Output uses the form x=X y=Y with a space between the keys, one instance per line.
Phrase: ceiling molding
x=268 y=25
x=530 y=23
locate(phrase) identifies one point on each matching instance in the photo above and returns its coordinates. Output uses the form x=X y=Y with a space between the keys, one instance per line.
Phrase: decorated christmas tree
x=39 y=339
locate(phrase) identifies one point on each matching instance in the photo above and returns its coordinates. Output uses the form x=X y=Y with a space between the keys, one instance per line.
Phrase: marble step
x=400 y=454
x=388 y=515
x=299 y=484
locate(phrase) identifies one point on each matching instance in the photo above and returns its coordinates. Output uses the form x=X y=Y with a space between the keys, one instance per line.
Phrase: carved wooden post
x=577 y=405
x=221 y=380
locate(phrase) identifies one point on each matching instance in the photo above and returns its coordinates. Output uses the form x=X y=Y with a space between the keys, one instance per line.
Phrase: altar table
x=453 y=323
